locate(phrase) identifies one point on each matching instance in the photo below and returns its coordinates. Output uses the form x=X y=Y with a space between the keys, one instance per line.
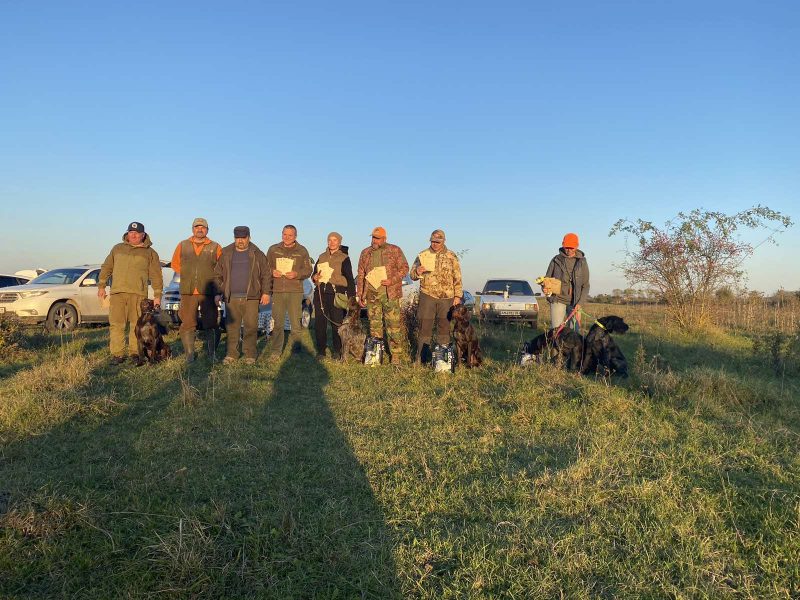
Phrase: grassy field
x=307 y=479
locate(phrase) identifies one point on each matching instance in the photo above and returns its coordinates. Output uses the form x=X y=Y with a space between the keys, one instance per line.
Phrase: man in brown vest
x=195 y=259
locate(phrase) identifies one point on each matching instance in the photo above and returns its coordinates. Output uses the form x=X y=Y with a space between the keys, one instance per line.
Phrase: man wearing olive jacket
x=285 y=286
x=130 y=265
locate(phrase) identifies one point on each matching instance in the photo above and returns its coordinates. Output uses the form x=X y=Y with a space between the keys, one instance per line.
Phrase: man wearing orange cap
x=570 y=267
x=383 y=302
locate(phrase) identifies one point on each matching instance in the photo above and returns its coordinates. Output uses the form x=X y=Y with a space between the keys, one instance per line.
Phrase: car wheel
x=62 y=317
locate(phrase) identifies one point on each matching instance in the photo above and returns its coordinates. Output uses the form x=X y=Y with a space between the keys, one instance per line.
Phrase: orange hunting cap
x=379 y=232
x=570 y=240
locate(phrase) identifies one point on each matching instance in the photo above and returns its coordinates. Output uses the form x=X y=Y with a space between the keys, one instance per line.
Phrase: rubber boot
x=187 y=338
x=211 y=344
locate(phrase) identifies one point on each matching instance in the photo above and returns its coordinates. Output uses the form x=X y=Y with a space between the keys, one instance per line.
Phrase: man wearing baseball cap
x=130 y=265
x=242 y=278
x=383 y=302
x=571 y=268
x=439 y=289
x=194 y=260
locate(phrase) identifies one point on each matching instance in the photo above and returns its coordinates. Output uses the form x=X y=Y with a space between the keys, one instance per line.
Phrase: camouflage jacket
x=396 y=268
x=445 y=280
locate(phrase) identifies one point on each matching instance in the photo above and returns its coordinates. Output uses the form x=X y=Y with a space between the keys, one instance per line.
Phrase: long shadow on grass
x=329 y=536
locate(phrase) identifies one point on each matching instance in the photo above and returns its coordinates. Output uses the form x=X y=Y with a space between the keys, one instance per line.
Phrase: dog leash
x=563 y=324
x=322 y=308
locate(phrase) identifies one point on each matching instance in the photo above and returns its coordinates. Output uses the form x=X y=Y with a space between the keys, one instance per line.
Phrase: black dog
x=352 y=333
x=149 y=336
x=565 y=349
x=468 y=351
x=601 y=353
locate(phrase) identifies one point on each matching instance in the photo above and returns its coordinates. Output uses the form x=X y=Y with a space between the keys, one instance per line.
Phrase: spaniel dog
x=149 y=335
x=352 y=333
x=601 y=354
x=468 y=350
x=565 y=348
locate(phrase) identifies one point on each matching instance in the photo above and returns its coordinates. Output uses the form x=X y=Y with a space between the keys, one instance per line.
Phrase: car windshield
x=515 y=287
x=59 y=277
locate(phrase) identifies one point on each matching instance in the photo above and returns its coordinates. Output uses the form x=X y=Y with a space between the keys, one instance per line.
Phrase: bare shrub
x=692 y=257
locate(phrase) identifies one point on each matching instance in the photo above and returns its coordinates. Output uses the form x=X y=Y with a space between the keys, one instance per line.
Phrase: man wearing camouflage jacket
x=439 y=289
x=383 y=302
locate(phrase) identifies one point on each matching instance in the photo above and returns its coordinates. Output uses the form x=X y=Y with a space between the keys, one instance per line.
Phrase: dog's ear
x=450 y=312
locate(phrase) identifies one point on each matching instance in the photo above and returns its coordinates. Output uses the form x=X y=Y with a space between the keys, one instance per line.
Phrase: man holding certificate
x=439 y=275
x=381 y=268
x=288 y=264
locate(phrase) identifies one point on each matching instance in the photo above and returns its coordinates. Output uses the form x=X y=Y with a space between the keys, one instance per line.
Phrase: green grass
x=321 y=480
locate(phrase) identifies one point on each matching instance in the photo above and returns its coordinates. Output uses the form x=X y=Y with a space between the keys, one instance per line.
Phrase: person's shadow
x=332 y=535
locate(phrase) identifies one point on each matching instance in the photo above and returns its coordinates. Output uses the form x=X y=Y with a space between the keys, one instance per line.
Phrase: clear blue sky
x=505 y=123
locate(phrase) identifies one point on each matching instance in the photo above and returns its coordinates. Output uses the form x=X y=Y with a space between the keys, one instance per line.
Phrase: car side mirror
x=89 y=282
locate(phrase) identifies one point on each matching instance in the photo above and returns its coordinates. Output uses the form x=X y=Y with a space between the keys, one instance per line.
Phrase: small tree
x=692 y=256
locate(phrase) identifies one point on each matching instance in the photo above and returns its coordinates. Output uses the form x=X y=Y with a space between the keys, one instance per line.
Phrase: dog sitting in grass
x=149 y=336
x=468 y=350
x=601 y=353
x=352 y=333
x=564 y=349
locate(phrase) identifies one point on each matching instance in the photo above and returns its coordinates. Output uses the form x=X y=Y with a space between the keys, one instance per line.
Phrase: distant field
x=305 y=479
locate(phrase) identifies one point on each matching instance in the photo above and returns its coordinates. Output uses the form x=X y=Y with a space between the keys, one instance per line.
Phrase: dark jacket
x=342 y=277
x=131 y=267
x=256 y=285
x=396 y=268
x=301 y=266
x=574 y=283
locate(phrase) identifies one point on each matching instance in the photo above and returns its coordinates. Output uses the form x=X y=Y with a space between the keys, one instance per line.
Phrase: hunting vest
x=197 y=272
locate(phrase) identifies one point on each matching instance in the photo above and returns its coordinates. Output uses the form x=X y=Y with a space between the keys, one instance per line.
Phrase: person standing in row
x=383 y=300
x=242 y=276
x=333 y=273
x=289 y=264
x=570 y=267
x=195 y=260
x=130 y=265
x=439 y=289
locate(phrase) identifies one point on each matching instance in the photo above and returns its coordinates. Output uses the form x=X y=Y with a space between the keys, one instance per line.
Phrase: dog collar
x=599 y=324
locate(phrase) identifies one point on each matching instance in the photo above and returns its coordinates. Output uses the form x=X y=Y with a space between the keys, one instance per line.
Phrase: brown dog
x=352 y=333
x=152 y=346
x=468 y=351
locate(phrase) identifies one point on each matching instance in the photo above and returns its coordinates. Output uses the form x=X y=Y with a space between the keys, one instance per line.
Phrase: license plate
x=173 y=306
x=509 y=313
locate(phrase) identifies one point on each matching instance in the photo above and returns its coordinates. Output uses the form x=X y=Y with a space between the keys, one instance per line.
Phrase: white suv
x=61 y=298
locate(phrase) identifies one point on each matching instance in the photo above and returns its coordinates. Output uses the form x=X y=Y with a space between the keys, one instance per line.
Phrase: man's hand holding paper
x=377 y=276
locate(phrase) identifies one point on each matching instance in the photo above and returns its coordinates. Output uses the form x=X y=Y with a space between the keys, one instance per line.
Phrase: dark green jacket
x=302 y=266
x=256 y=285
x=131 y=268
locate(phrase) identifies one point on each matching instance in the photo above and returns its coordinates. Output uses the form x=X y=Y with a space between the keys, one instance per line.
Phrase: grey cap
x=241 y=231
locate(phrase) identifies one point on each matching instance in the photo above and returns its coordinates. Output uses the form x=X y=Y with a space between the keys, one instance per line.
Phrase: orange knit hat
x=570 y=240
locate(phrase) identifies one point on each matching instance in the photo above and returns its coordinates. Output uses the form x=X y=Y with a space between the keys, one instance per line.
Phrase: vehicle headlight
x=32 y=294
x=486 y=306
x=531 y=306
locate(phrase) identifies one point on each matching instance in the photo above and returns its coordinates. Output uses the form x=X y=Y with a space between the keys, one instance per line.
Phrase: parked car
x=60 y=298
x=504 y=300
x=9 y=280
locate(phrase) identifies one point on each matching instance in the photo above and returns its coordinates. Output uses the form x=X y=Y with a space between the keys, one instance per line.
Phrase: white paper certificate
x=284 y=265
x=428 y=260
x=375 y=276
x=325 y=271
